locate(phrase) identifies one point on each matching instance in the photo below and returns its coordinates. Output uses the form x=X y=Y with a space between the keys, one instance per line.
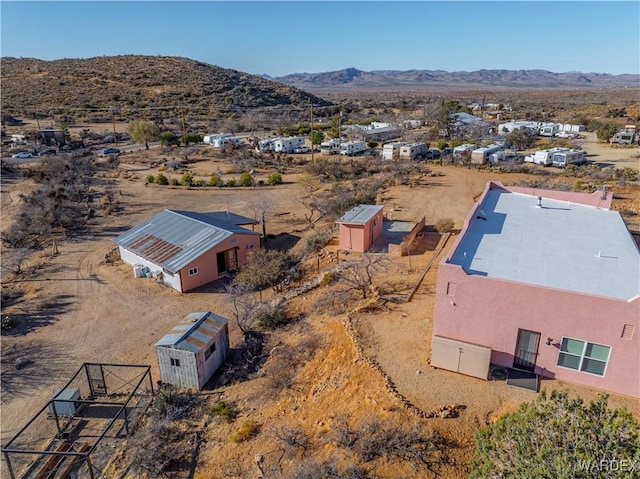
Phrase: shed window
x=250 y=246
x=175 y=362
x=209 y=351
x=193 y=271
x=584 y=356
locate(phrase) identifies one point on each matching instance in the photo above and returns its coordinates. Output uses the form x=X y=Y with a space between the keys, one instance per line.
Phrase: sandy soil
x=82 y=309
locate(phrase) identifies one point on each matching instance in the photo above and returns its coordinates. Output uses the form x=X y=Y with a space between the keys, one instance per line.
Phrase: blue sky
x=284 y=37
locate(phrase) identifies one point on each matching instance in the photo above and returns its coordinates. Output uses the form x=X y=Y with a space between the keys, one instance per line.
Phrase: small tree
x=559 y=437
x=215 y=180
x=316 y=138
x=149 y=179
x=143 y=131
x=606 y=131
x=168 y=138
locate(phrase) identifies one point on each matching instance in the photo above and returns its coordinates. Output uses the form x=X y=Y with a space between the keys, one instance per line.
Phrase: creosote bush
x=249 y=429
x=224 y=410
x=444 y=225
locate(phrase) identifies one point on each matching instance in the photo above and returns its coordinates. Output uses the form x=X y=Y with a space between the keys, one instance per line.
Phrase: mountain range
x=352 y=78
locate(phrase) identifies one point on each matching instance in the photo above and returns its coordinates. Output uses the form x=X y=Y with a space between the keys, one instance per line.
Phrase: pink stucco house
x=360 y=227
x=185 y=249
x=542 y=281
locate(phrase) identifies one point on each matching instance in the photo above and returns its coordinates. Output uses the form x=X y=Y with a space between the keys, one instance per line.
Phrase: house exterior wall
x=169 y=279
x=489 y=312
x=207 y=264
x=185 y=375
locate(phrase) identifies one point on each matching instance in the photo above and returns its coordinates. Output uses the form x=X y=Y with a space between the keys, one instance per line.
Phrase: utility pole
x=184 y=133
x=113 y=122
x=311 y=122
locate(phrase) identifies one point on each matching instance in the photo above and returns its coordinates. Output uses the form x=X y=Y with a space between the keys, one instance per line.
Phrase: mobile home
x=331 y=147
x=391 y=151
x=216 y=138
x=413 y=151
x=463 y=151
x=288 y=144
x=352 y=148
x=568 y=157
x=481 y=156
x=549 y=129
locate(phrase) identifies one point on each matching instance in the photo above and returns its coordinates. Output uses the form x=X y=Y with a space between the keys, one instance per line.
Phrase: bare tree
x=360 y=277
x=263 y=268
x=262 y=206
x=242 y=306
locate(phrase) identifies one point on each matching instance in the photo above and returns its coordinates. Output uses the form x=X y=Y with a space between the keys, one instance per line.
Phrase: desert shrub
x=224 y=410
x=149 y=179
x=292 y=438
x=215 y=180
x=246 y=179
x=315 y=241
x=173 y=403
x=444 y=225
x=174 y=182
x=274 y=179
x=249 y=429
x=231 y=182
x=328 y=278
x=187 y=179
x=161 y=179
x=558 y=436
x=272 y=316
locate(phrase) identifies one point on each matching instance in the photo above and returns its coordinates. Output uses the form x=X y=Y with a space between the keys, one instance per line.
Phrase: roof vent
x=481 y=215
x=539 y=203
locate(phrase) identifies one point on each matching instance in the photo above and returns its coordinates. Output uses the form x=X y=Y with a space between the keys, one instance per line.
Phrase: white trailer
x=351 y=148
x=463 y=151
x=288 y=144
x=217 y=137
x=413 y=151
x=480 y=156
x=549 y=129
x=391 y=151
x=266 y=144
x=568 y=157
x=331 y=147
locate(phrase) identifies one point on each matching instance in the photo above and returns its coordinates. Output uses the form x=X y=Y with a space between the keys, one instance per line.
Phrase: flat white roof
x=559 y=245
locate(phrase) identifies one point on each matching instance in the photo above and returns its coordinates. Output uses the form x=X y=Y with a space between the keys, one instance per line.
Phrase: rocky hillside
x=352 y=78
x=136 y=82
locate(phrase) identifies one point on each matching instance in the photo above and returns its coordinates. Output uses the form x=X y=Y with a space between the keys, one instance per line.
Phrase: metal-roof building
x=360 y=227
x=206 y=245
x=193 y=350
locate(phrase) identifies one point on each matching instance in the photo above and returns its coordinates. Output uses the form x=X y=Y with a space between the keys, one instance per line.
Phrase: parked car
x=302 y=149
x=22 y=154
x=48 y=151
x=432 y=154
x=110 y=151
x=447 y=152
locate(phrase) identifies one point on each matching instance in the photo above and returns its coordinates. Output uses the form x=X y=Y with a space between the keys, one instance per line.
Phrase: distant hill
x=136 y=81
x=352 y=78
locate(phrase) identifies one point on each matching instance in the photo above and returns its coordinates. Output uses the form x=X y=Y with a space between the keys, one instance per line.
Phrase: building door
x=526 y=350
x=227 y=260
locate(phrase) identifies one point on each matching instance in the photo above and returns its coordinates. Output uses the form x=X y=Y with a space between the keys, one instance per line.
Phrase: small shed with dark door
x=193 y=350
